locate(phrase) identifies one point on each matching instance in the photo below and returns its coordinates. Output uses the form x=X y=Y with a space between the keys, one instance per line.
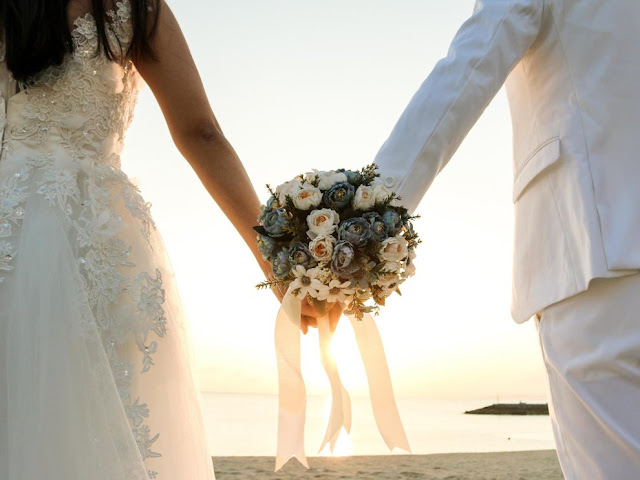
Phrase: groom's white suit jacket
x=572 y=71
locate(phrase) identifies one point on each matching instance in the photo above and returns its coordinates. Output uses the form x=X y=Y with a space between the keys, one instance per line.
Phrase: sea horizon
x=245 y=424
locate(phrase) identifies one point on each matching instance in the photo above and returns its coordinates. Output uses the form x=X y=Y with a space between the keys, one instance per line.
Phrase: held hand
x=310 y=316
x=309 y=313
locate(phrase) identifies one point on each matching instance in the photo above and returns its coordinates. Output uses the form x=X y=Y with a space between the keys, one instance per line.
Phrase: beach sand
x=535 y=465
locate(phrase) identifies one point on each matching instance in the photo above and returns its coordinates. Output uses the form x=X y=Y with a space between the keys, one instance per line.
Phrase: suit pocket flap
x=545 y=155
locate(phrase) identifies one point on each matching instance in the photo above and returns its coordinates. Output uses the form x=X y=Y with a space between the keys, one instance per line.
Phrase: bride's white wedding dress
x=95 y=376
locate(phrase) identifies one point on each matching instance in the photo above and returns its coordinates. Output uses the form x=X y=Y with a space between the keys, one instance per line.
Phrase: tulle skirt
x=95 y=364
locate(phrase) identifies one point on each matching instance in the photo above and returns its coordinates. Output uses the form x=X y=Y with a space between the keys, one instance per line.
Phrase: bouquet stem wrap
x=292 y=392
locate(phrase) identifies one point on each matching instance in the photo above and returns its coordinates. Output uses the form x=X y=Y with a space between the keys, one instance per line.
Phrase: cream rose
x=321 y=248
x=310 y=177
x=364 y=199
x=381 y=193
x=326 y=180
x=307 y=197
x=288 y=188
x=322 y=222
x=393 y=249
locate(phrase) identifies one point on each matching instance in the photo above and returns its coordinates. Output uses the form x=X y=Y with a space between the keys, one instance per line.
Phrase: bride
x=95 y=380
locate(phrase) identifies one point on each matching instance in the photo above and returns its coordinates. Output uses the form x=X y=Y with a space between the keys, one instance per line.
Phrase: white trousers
x=591 y=349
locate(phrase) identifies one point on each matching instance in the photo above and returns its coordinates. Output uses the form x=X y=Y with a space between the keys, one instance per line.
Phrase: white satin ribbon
x=292 y=399
x=383 y=402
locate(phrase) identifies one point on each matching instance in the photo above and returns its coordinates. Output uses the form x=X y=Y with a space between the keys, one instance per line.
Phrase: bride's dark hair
x=36 y=32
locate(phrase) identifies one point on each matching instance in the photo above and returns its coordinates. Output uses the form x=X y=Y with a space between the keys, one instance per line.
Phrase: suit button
x=389 y=182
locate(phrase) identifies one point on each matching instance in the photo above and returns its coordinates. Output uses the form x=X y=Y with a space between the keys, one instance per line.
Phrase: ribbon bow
x=292 y=392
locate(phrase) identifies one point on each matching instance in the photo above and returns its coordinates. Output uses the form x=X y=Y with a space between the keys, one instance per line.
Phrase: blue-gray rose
x=393 y=221
x=379 y=229
x=355 y=231
x=339 y=196
x=267 y=246
x=266 y=209
x=276 y=222
x=280 y=264
x=343 y=262
x=352 y=177
x=299 y=254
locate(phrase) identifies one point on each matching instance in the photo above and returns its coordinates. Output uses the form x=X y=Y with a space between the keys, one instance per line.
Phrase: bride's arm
x=176 y=84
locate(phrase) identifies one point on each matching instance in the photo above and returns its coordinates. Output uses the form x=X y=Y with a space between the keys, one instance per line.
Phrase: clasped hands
x=310 y=313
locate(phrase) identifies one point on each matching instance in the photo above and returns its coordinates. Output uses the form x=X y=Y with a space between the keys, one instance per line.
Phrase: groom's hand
x=309 y=313
x=310 y=316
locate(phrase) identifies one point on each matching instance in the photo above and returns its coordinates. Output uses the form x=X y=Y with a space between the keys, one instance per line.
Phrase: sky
x=301 y=84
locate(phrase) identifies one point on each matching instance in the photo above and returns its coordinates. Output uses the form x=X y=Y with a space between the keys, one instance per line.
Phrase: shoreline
x=523 y=465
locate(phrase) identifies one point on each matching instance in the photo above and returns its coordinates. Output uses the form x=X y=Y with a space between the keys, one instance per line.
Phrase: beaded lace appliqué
x=79 y=113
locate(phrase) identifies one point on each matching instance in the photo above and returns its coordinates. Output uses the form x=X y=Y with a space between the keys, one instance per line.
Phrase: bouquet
x=332 y=237
x=337 y=236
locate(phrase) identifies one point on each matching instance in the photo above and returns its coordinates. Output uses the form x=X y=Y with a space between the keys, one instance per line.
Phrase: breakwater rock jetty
x=512 y=409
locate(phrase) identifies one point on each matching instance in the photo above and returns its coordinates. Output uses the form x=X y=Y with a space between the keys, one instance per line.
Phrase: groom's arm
x=449 y=102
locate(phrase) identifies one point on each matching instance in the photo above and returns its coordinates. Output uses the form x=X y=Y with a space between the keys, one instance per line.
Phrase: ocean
x=240 y=424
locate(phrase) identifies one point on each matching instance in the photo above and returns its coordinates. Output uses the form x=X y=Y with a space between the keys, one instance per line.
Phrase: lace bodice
x=84 y=105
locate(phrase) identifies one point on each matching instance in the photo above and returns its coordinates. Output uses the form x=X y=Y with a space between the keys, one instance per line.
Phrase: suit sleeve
x=452 y=98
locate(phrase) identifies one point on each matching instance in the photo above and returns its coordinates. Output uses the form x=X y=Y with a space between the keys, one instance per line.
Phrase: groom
x=572 y=71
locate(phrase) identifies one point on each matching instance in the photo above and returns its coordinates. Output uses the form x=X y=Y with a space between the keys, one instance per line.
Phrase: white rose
x=393 y=249
x=321 y=247
x=322 y=222
x=364 y=199
x=288 y=188
x=381 y=193
x=391 y=276
x=307 y=197
x=326 y=180
x=310 y=177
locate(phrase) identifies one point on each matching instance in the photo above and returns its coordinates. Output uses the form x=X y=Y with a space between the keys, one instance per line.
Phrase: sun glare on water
x=343 y=447
x=344 y=350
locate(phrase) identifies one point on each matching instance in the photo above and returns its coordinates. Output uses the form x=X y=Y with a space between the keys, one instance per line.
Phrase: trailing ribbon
x=292 y=401
x=383 y=402
x=340 y=402
x=292 y=393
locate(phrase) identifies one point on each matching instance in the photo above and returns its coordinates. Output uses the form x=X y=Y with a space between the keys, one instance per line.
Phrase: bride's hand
x=310 y=316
